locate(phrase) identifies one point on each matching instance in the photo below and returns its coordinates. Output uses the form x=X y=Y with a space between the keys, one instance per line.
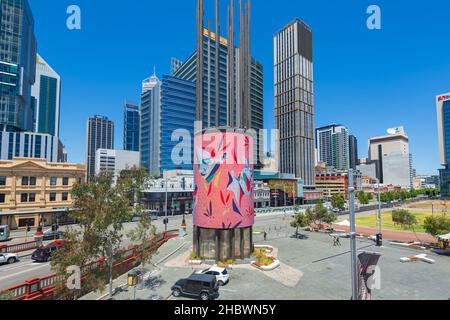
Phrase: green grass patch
x=387 y=223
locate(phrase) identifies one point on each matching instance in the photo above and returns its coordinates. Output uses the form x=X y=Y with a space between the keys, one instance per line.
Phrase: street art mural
x=223 y=171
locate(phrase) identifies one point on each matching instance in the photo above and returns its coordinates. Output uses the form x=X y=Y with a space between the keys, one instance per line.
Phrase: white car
x=9 y=258
x=222 y=275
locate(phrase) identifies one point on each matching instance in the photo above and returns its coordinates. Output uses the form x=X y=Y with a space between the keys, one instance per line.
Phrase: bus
x=4 y=233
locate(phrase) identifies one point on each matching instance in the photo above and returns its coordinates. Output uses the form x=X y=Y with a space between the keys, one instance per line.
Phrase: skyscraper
x=46 y=93
x=17 y=65
x=100 y=135
x=332 y=145
x=177 y=123
x=294 y=99
x=353 y=150
x=151 y=124
x=188 y=71
x=443 y=115
x=131 y=136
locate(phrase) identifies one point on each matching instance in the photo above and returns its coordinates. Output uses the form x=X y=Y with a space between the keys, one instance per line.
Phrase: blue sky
x=366 y=80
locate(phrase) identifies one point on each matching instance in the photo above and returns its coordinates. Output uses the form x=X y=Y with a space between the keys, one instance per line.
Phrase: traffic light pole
x=351 y=204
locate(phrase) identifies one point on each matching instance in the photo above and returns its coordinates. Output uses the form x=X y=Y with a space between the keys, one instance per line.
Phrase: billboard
x=223 y=173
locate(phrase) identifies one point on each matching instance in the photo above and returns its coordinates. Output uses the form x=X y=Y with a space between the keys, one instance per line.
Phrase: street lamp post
x=166 y=215
x=380 y=232
x=354 y=266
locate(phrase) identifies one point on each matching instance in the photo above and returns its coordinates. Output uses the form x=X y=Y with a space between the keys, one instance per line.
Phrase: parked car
x=203 y=286
x=44 y=254
x=53 y=235
x=221 y=274
x=9 y=258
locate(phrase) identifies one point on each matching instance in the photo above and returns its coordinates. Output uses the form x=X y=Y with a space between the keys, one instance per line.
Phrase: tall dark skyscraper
x=353 y=150
x=17 y=65
x=99 y=135
x=294 y=99
x=131 y=136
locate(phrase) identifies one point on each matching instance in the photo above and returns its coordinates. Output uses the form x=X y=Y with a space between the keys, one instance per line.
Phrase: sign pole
x=354 y=266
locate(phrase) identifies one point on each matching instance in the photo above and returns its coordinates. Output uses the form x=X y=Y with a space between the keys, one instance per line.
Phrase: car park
x=222 y=275
x=203 y=286
x=9 y=258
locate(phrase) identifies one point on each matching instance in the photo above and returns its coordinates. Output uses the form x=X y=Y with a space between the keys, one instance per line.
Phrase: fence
x=43 y=288
x=20 y=247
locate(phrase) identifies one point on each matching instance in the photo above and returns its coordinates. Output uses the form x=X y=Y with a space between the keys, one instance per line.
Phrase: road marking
x=21 y=272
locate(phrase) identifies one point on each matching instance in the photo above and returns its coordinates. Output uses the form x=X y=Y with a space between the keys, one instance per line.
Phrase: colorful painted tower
x=224 y=156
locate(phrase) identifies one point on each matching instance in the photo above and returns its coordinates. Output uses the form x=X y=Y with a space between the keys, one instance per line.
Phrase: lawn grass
x=387 y=223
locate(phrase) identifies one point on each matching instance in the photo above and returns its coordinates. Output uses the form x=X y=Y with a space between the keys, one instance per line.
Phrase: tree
x=100 y=209
x=320 y=215
x=404 y=218
x=132 y=181
x=437 y=225
x=338 y=201
x=301 y=219
x=363 y=198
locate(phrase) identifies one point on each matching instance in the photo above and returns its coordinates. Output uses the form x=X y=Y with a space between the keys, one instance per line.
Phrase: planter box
x=195 y=262
x=270 y=267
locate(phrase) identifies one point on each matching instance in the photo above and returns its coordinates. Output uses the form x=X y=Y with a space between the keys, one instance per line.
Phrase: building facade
x=294 y=99
x=178 y=98
x=131 y=125
x=353 y=151
x=115 y=161
x=31 y=145
x=151 y=125
x=333 y=146
x=99 y=135
x=335 y=182
x=443 y=117
x=17 y=65
x=35 y=192
x=393 y=158
x=46 y=93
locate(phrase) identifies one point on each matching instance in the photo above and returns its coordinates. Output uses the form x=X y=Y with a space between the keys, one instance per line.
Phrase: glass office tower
x=100 y=135
x=46 y=93
x=443 y=113
x=132 y=118
x=17 y=65
x=178 y=99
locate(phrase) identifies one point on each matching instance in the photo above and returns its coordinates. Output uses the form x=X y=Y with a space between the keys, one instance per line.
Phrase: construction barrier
x=42 y=288
x=19 y=247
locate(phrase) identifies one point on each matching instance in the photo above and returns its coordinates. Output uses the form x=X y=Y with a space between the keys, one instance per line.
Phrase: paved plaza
x=312 y=269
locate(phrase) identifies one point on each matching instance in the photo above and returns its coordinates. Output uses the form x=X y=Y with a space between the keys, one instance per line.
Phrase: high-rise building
x=178 y=99
x=131 y=136
x=294 y=99
x=100 y=135
x=394 y=161
x=188 y=71
x=114 y=161
x=46 y=93
x=17 y=65
x=332 y=143
x=151 y=124
x=353 y=151
x=443 y=115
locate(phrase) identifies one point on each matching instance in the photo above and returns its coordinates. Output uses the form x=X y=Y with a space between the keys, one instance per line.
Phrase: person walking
x=265 y=235
x=338 y=242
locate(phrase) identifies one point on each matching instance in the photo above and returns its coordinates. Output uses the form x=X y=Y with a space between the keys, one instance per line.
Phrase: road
x=17 y=273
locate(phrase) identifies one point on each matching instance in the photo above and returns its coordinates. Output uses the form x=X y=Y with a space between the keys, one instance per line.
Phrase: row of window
x=31 y=181
x=31 y=197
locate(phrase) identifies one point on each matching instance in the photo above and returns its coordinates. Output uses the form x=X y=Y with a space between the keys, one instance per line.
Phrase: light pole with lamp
x=380 y=232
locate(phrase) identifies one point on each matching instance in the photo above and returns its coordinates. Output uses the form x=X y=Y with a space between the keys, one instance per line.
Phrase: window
x=53 y=181
x=32 y=197
x=32 y=181
x=52 y=197
x=25 y=181
x=65 y=196
x=2 y=180
x=2 y=198
x=65 y=181
x=24 y=197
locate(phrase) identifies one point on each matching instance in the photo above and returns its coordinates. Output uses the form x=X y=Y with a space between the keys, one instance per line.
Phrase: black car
x=44 y=254
x=203 y=286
